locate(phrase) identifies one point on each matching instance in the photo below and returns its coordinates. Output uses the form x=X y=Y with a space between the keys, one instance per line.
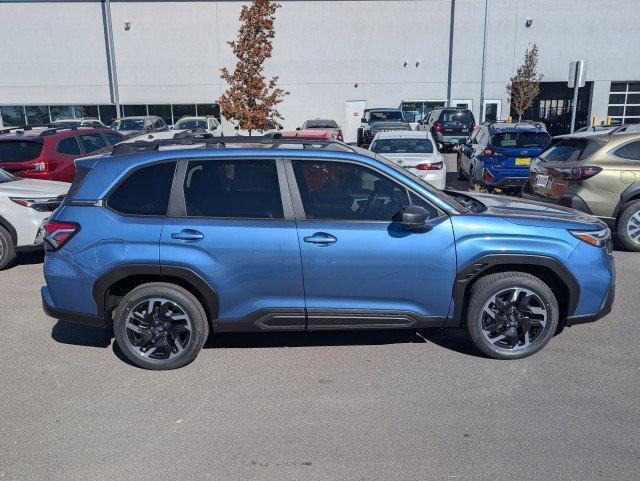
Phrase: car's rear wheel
x=629 y=226
x=7 y=249
x=511 y=315
x=160 y=326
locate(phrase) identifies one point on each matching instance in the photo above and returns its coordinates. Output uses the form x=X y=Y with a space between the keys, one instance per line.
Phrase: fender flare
x=475 y=268
x=628 y=193
x=190 y=277
x=12 y=231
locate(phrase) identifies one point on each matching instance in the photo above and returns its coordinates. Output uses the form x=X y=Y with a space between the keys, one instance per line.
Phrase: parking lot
x=332 y=405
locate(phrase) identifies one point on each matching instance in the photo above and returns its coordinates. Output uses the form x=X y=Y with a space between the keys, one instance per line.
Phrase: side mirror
x=298 y=128
x=237 y=127
x=363 y=120
x=414 y=217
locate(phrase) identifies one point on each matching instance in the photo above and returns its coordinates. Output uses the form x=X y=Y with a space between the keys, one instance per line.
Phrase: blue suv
x=499 y=154
x=170 y=240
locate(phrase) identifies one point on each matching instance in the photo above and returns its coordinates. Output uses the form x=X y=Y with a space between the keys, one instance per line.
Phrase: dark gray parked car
x=380 y=120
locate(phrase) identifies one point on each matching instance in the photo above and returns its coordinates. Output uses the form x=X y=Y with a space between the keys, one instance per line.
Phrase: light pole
x=111 y=57
x=451 y=23
x=484 y=58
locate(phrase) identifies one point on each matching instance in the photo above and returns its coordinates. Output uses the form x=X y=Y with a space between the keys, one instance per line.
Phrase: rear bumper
x=62 y=315
x=508 y=182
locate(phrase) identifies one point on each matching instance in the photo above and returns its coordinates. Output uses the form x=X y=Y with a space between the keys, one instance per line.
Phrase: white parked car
x=415 y=151
x=24 y=205
x=209 y=123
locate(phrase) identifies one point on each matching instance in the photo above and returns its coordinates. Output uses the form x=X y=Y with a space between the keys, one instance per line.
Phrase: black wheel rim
x=158 y=329
x=514 y=318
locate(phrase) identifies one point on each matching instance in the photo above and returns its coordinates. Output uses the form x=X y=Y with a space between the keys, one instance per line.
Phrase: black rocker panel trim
x=293 y=319
x=478 y=266
x=108 y=279
x=339 y=319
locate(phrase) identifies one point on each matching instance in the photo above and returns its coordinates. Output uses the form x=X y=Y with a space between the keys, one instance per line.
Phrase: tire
x=472 y=180
x=359 y=138
x=461 y=174
x=628 y=228
x=178 y=303
x=542 y=304
x=7 y=249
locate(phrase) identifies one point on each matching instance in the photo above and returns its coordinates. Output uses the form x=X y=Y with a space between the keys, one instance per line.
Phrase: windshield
x=6 y=177
x=521 y=139
x=320 y=124
x=409 y=146
x=190 y=124
x=386 y=116
x=127 y=124
x=19 y=150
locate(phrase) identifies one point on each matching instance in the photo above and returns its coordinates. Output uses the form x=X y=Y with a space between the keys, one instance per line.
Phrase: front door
x=233 y=228
x=354 y=112
x=362 y=269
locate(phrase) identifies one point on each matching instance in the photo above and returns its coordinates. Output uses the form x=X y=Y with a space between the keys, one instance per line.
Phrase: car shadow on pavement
x=81 y=335
x=28 y=258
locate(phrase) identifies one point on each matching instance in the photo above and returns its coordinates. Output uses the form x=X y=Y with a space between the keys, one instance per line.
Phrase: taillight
x=437 y=127
x=488 y=152
x=58 y=233
x=434 y=166
x=488 y=176
x=578 y=173
x=473 y=126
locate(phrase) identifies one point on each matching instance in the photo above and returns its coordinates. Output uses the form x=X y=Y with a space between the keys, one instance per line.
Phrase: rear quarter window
x=145 y=191
x=19 y=150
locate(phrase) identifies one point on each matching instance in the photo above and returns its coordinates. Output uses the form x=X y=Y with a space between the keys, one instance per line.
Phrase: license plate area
x=523 y=160
x=542 y=180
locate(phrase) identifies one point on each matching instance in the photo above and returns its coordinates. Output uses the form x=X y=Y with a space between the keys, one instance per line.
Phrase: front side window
x=408 y=146
x=144 y=192
x=342 y=191
x=69 y=146
x=92 y=142
x=238 y=189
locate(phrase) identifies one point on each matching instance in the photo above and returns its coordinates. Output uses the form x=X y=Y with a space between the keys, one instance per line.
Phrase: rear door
x=231 y=222
x=361 y=268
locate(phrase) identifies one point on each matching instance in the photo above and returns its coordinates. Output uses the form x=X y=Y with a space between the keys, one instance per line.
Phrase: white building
x=335 y=57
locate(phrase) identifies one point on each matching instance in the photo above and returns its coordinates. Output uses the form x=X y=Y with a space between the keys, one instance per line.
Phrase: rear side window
x=69 y=146
x=521 y=139
x=92 y=142
x=19 y=150
x=630 y=151
x=246 y=189
x=145 y=191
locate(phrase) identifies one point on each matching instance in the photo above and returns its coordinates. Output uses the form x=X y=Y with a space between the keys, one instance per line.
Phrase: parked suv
x=499 y=154
x=169 y=242
x=48 y=153
x=24 y=205
x=379 y=120
x=597 y=173
x=450 y=126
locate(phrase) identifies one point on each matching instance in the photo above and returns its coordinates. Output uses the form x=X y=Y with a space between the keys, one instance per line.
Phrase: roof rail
x=187 y=138
x=516 y=122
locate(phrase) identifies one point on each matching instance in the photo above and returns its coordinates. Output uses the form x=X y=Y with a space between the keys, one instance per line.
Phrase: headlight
x=597 y=238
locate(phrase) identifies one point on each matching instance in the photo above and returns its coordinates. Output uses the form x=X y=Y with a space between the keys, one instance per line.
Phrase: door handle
x=320 y=239
x=188 y=235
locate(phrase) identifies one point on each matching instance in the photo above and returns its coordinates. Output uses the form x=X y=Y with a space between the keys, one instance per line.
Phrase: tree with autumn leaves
x=524 y=86
x=251 y=99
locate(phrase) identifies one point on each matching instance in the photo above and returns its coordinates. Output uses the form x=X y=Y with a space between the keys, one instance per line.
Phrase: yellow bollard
x=594 y=121
x=608 y=122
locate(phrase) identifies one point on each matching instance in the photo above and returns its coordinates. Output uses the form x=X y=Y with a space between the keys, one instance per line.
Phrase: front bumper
x=607 y=305
x=62 y=315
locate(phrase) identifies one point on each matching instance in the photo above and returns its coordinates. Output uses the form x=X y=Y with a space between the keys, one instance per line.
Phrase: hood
x=34 y=188
x=527 y=212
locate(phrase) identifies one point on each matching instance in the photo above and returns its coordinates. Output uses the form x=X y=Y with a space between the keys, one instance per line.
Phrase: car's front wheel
x=160 y=326
x=511 y=315
x=7 y=249
x=629 y=226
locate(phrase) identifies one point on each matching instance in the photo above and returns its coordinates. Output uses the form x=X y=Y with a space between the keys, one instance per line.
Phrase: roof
x=499 y=127
x=383 y=109
x=404 y=134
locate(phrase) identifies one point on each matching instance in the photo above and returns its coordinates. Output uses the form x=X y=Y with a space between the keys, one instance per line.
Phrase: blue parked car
x=499 y=154
x=169 y=240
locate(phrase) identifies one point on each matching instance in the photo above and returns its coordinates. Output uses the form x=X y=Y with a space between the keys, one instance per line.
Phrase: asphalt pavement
x=385 y=405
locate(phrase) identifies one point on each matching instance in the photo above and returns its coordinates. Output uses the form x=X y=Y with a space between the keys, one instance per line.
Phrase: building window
x=37 y=114
x=107 y=114
x=184 y=110
x=12 y=115
x=624 y=102
x=162 y=111
x=134 y=110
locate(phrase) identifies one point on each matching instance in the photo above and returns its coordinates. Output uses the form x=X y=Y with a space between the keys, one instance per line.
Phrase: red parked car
x=48 y=153
x=311 y=134
x=323 y=125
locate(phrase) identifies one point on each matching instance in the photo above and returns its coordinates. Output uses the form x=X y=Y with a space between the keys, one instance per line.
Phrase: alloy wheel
x=158 y=329
x=633 y=228
x=1 y=248
x=514 y=318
